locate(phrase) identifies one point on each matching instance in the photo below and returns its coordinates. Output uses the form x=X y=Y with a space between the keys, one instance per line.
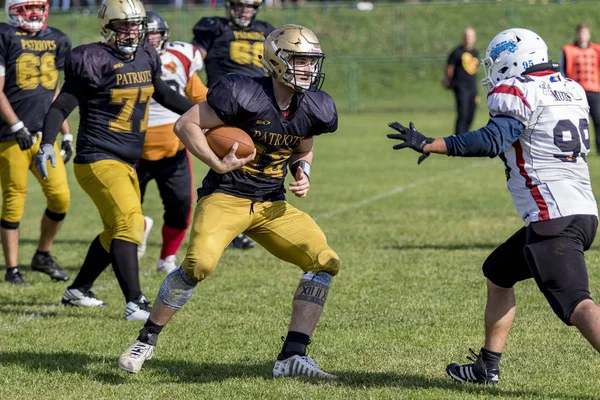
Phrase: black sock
x=295 y=344
x=44 y=253
x=491 y=359
x=96 y=261
x=125 y=264
x=149 y=333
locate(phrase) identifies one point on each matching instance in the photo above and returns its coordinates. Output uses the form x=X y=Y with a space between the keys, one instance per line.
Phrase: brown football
x=221 y=138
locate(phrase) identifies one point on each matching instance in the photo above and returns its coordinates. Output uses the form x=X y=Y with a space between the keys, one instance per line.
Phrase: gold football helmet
x=234 y=11
x=293 y=56
x=122 y=24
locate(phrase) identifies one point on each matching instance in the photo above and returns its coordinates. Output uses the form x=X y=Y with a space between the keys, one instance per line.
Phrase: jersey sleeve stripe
x=535 y=192
x=510 y=90
x=184 y=60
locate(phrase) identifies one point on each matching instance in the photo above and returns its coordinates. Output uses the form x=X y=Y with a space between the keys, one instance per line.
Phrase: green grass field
x=408 y=300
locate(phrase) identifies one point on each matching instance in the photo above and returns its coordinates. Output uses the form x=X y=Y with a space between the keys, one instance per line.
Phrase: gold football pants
x=15 y=165
x=114 y=189
x=285 y=231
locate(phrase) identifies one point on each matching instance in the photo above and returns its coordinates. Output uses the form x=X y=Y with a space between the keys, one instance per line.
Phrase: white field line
x=28 y=317
x=398 y=189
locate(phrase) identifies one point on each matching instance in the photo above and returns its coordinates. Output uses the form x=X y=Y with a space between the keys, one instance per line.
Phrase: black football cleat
x=47 y=265
x=473 y=373
x=14 y=277
x=242 y=242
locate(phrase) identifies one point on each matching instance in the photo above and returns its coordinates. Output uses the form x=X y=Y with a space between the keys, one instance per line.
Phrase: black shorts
x=551 y=252
x=173 y=177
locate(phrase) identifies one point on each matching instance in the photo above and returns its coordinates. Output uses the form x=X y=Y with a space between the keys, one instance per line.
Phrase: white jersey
x=547 y=172
x=180 y=61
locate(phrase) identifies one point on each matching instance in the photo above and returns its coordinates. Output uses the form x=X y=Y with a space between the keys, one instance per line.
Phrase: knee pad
x=9 y=225
x=58 y=203
x=129 y=227
x=199 y=268
x=56 y=217
x=327 y=261
x=176 y=289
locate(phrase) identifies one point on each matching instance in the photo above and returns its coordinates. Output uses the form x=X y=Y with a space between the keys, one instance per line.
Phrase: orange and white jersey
x=547 y=171
x=180 y=63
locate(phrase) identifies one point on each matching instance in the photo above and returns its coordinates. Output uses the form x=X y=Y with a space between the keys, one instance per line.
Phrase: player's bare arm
x=300 y=162
x=189 y=129
x=6 y=111
x=203 y=52
x=16 y=126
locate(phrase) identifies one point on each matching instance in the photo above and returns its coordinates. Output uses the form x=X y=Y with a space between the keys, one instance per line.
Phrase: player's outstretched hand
x=302 y=185
x=230 y=162
x=410 y=138
x=46 y=153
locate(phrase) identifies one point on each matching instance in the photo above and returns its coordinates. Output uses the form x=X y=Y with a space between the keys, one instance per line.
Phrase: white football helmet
x=20 y=16
x=510 y=53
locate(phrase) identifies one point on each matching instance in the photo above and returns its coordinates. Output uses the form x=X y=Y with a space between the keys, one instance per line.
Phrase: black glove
x=23 y=136
x=66 y=148
x=411 y=138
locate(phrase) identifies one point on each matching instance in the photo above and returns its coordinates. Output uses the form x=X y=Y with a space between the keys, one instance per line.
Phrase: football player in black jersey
x=31 y=54
x=113 y=83
x=282 y=113
x=233 y=45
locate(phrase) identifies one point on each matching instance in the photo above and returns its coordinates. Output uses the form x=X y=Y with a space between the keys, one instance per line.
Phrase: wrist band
x=17 y=126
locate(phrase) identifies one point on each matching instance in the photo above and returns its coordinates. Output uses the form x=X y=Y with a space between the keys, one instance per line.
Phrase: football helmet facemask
x=293 y=56
x=123 y=24
x=234 y=11
x=510 y=53
x=157 y=24
x=21 y=16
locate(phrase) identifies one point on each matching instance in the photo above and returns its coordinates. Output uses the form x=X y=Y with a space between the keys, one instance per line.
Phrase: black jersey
x=31 y=65
x=249 y=104
x=114 y=97
x=230 y=48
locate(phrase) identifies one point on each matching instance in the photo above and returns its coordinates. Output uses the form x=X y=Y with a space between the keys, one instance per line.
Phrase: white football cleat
x=137 y=310
x=300 y=366
x=75 y=297
x=134 y=356
x=167 y=265
x=148 y=223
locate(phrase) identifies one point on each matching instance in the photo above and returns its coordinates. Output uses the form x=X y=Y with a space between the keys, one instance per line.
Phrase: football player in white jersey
x=164 y=158
x=539 y=128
